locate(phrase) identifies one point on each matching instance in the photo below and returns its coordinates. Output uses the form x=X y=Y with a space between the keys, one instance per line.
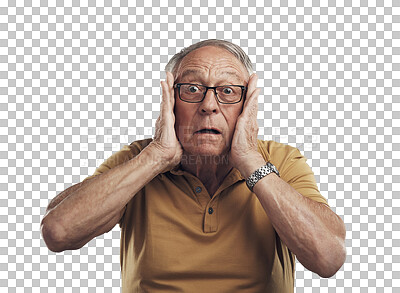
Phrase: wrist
x=260 y=174
x=251 y=163
x=165 y=157
x=154 y=157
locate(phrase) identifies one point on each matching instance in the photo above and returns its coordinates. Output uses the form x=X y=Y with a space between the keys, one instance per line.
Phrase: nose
x=209 y=104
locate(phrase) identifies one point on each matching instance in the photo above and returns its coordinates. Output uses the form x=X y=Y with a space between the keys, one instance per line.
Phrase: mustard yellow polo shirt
x=175 y=237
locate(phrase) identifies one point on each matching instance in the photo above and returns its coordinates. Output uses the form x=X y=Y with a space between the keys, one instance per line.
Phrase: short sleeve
x=114 y=160
x=293 y=169
x=127 y=153
x=300 y=176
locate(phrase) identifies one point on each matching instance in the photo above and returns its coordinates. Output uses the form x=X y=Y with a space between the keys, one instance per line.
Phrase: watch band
x=260 y=173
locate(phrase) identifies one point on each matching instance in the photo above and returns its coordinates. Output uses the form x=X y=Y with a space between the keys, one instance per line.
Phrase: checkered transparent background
x=80 y=80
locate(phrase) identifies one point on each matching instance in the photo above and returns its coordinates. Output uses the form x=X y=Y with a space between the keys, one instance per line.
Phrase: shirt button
x=210 y=210
x=197 y=189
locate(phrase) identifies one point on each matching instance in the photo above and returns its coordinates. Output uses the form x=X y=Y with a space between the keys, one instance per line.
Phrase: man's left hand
x=244 y=155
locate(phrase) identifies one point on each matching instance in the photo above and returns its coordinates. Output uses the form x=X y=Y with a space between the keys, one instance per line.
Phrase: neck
x=211 y=170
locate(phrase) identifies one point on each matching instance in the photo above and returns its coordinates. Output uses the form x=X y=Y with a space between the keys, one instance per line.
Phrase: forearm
x=60 y=197
x=310 y=230
x=84 y=212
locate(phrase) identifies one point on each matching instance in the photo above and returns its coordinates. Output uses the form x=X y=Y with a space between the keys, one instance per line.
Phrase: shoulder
x=276 y=151
x=292 y=167
x=126 y=153
x=284 y=157
x=138 y=145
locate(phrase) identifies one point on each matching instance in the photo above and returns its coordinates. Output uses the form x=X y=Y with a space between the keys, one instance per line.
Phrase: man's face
x=209 y=66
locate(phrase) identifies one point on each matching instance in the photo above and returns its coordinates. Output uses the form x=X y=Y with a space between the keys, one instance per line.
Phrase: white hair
x=174 y=62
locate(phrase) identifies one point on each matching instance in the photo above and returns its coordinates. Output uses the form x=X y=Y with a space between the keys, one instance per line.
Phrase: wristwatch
x=260 y=173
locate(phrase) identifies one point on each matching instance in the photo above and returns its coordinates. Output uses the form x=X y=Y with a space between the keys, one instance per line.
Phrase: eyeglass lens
x=225 y=93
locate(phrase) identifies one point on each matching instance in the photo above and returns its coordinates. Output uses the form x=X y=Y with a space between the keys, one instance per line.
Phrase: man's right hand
x=91 y=208
x=165 y=144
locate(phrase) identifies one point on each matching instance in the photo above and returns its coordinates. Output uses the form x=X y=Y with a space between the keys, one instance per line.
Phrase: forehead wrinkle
x=221 y=74
x=189 y=72
x=231 y=74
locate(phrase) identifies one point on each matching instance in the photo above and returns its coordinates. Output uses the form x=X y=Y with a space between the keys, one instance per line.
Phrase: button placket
x=210 y=217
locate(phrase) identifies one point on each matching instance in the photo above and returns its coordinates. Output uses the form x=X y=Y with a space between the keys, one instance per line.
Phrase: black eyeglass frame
x=177 y=86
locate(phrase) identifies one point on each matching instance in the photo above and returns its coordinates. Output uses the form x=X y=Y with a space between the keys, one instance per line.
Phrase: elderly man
x=204 y=206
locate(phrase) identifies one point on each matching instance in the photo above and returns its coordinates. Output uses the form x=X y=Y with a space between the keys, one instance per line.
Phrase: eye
x=227 y=91
x=193 y=89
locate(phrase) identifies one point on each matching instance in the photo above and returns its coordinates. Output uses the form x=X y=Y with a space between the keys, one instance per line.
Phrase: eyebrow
x=197 y=73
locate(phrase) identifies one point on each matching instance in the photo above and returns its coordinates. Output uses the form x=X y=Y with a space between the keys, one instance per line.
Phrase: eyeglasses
x=195 y=93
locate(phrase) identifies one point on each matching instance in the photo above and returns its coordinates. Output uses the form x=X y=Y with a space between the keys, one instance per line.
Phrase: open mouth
x=208 y=130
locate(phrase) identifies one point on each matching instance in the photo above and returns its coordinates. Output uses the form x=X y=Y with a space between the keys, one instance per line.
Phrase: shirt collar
x=233 y=176
x=177 y=170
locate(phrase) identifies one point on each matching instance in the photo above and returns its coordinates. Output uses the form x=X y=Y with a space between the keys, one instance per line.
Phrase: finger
x=253 y=100
x=170 y=82
x=251 y=90
x=251 y=105
x=165 y=92
x=165 y=97
x=170 y=79
x=252 y=84
x=167 y=107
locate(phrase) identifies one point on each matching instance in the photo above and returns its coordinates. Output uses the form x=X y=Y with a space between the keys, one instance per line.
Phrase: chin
x=207 y=150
